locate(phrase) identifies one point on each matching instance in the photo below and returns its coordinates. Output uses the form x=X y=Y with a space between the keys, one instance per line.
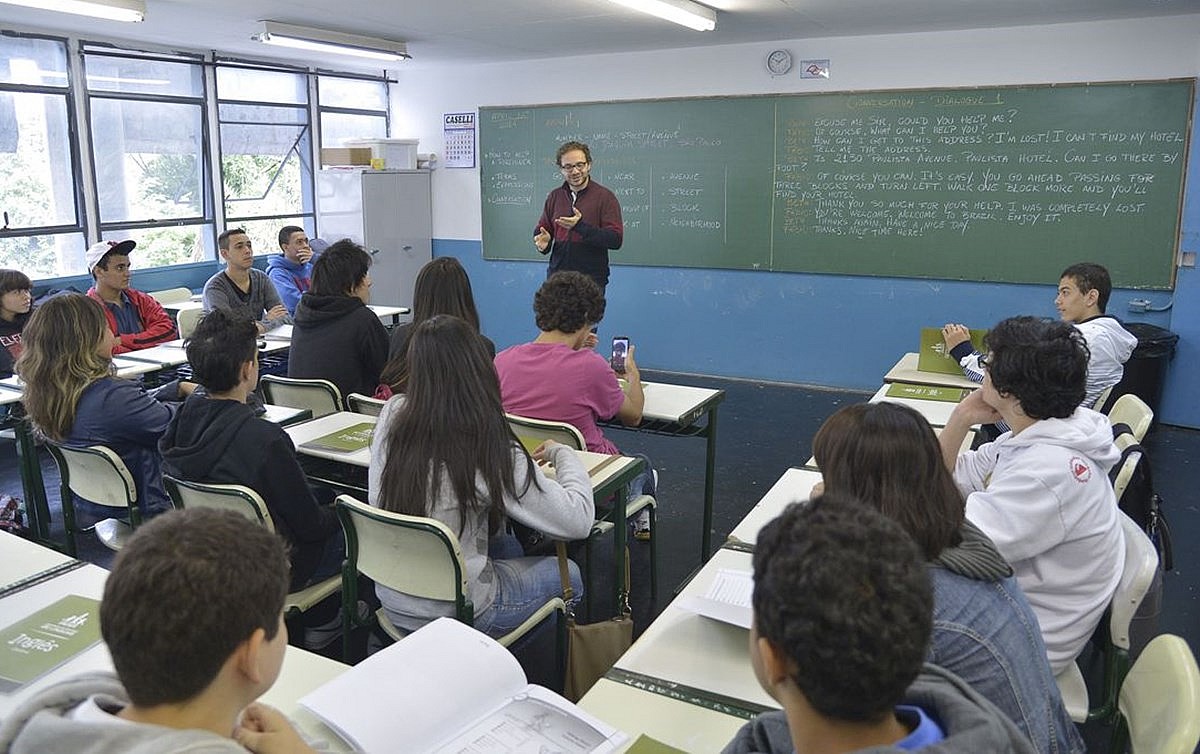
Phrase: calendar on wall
x=459 y=131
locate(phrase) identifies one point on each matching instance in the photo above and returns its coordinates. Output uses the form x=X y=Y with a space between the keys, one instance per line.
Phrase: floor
x=763 y=429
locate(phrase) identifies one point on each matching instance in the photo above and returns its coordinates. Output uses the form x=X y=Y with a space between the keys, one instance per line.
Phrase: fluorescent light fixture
x=320 y=40
x=683 y=12
x=113 y=10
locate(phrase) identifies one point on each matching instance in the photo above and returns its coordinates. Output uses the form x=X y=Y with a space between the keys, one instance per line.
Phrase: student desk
x=675 y=722
x=301 y=673
x=9 y=393
x=795 y=485
x=674 y=410
x=703 y=659
x=24 y=563
x=937 y=413
x=609 y=481
x=383 y=312
x=906 y=370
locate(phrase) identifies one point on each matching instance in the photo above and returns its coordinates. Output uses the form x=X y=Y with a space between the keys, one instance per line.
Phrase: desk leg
x=620 y=530
x=709 y=468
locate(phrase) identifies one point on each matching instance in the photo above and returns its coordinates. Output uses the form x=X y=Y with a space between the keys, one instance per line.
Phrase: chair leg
x=653 y=558
x=69 y=526
x=561 y=647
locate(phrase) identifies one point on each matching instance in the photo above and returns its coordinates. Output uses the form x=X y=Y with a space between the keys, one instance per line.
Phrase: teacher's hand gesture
x=569 y=222
x=542 y=240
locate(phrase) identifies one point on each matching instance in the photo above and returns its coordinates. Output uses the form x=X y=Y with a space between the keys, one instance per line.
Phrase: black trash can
x=1146 y=369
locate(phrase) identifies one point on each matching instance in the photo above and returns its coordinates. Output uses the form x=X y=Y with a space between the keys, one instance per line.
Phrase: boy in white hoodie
x=1041 y=490
x=193 y=617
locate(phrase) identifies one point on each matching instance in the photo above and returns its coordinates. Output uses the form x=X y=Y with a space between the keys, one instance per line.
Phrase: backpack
x=1139 y=501
x=11 y=518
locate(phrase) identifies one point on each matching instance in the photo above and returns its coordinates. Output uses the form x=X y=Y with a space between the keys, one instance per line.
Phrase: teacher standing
x=581 y=220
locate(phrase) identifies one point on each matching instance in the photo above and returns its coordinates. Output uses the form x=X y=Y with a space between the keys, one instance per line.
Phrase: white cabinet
x=389 y=212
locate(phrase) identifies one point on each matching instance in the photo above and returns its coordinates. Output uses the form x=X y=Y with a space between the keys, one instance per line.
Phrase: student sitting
x=136 y=317
x=336 y=337
x=1083 y=291
x=842 y=618
x=444 y=450
x=442 y=287
x=242 y=288
x=72 y=397
x=192 y=615
x=291 y=269
x=558 y=377
x=16 y=302
x=1041 y=491
x=216 y=438
x=984 y=630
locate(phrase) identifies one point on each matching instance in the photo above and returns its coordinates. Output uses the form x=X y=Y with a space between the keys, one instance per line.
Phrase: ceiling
x=482 y=31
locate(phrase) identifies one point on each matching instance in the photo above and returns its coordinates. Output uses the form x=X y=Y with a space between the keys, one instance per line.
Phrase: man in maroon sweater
x=581 y=220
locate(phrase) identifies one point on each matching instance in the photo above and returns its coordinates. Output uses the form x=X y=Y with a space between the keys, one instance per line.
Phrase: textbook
x=926 y=392
x=727 y=598
x=348 y=440
x=449 y=688
x=933 y=356
x=35 y=645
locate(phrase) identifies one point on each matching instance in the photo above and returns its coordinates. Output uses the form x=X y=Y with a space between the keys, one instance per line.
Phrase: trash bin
x=1146 y=369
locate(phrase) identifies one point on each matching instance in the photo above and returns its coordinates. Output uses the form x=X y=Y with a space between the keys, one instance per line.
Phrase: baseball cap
x=98 y=251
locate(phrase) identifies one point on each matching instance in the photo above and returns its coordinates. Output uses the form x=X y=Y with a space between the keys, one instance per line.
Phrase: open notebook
x=449 y=688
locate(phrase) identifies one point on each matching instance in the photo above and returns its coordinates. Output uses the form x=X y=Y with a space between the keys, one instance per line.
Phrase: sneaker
x=641 y=526
x=318 y=637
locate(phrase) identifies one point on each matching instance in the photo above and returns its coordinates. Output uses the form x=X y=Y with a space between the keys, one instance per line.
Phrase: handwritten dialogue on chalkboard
x=1002 y=184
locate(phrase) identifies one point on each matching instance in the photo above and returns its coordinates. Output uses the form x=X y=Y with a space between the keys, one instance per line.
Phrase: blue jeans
x=522 y=585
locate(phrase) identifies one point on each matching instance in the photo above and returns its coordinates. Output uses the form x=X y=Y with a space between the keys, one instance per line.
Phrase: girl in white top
x=444 y=450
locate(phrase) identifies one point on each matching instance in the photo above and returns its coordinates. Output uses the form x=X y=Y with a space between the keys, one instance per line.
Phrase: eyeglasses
x=984 y=360
x=573 y=166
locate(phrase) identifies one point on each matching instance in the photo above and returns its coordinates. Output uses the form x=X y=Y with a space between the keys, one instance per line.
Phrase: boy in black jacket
x=216 y=438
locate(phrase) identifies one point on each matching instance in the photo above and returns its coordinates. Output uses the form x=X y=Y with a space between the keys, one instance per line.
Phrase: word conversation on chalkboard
x=1007 y=184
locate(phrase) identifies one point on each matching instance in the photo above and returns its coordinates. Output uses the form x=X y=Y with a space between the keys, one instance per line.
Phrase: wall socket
x=1139 y=305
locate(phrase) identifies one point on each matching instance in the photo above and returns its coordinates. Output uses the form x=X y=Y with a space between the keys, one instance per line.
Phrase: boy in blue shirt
x=842 y=616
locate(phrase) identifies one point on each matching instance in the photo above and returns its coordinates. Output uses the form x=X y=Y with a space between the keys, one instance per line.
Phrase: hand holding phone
x=620 y=347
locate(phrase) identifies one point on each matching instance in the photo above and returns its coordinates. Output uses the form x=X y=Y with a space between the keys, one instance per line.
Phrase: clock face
x=779 y=62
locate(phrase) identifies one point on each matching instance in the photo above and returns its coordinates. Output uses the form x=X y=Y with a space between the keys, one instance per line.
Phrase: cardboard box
x=396 y=154
x=336 y=156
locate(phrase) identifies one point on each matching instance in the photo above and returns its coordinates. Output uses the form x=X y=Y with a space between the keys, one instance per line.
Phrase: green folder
x=348 y=440
x=926 y=392
x=933 y=357
x=647 y=745
x=35 y=645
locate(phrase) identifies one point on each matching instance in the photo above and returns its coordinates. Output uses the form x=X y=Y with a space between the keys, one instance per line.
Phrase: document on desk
x=283 y=332
x=727 y=598
x=926 y=392
x=456 y=690
x=35 y=645
x=348 y=440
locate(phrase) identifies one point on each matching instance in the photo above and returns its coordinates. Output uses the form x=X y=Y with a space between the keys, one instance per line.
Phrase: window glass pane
x=252 y=85
x=133 y=75
x=266 y=169
x=227 y=113
x=353 y=93
x=336 y=128
x=39 y=62
x=265 y=233
x=45 y=256
x=157 y=247
x=148 y=164
x=37 y=188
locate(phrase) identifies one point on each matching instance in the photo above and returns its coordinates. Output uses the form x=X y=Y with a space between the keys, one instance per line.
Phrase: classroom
x=820 y=339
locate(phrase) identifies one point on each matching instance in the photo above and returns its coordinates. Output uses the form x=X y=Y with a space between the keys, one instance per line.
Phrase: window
x=148 y=147
x=351 y=109
x=266 y=152
x=41 y=231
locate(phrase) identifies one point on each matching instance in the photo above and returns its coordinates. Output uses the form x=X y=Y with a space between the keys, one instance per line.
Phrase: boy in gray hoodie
x=842 y=616
x=193 y=617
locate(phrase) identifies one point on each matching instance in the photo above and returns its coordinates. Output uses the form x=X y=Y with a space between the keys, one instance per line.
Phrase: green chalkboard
x=1008 y=184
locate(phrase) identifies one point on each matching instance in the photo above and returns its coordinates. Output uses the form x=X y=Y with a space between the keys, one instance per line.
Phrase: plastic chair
x=1133 y=411
x=247 y=502
x=98 y=475
x=171 y=295
x=319 y=396
x=1141 y=562
x=1102 y=399
x=532 y=432
x=186 y=321
x=420 y=557
x=1128 y=468
x=364 y=404
x=1160 y=701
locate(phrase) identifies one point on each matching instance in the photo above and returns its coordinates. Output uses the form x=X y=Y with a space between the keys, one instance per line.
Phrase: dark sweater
x=10 y=342
x=223 y=442
x=337 y=338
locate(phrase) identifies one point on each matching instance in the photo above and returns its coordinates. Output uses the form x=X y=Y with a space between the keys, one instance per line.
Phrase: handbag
x=592 y=648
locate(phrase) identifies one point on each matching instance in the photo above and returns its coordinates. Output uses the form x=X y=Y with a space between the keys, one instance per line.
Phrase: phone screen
x=620 y=346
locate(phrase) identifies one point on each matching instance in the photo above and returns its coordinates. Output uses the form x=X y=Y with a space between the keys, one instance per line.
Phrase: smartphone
x=620 y=346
